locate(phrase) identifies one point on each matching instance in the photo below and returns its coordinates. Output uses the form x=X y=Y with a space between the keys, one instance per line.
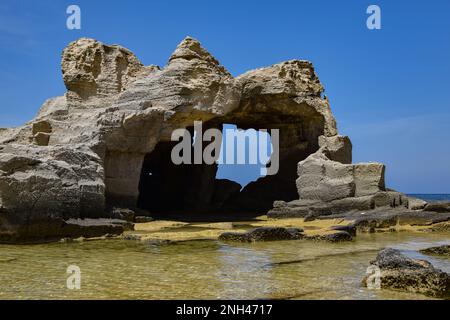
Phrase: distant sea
x=431 y=197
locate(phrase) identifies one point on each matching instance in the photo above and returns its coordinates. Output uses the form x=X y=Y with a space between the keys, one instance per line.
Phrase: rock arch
x=117 y=117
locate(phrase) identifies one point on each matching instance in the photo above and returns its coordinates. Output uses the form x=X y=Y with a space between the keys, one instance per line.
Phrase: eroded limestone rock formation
x=106 y=142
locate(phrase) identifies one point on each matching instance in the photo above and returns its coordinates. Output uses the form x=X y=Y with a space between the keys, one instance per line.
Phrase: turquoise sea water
x=431 y=197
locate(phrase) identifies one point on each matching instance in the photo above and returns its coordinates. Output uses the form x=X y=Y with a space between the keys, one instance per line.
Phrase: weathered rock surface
x=53 y=229
x=56 y=181
x=350 y=229
x=123 y=214
x=94 y=147
x=416 y=204
x=399 y=272
x=440 y=227
x=439 y=206
x=336 y=236
x=328 y=187
x=107 y=143
x=280 y=233
x=263 y=234
x=440 y=251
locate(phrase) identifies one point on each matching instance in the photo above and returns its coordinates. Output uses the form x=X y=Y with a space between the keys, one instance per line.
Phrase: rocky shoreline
x=263 y=228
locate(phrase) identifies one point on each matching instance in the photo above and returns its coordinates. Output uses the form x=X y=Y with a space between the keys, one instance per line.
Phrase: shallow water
x=120 y=269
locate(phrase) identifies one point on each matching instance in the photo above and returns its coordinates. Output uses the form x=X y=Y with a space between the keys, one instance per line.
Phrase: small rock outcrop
x=399 y=272
x=327 y=187
x=438 y=206
x=439 y=251
x=332 y=236
x=350 y=229
x=280 y=233
x=263 y=234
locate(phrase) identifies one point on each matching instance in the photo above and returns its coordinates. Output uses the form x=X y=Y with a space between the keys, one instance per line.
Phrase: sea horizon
x=430 y=196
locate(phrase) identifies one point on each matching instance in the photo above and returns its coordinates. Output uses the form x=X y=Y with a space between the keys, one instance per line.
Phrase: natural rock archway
x=95 y=147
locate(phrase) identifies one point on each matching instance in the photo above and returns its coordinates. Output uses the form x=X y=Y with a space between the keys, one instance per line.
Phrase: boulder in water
x=399 y=272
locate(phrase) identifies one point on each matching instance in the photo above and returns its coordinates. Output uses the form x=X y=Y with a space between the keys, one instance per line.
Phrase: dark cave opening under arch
x=193 y=189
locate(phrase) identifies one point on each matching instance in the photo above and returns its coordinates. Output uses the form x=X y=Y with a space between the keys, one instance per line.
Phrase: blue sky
x=388 y=88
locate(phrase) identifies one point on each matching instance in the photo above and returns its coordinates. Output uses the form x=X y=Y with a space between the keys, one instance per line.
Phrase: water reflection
x=241 y=274
x=119 y=269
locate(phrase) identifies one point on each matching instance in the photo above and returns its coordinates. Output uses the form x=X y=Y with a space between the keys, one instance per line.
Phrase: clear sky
x=389 y=89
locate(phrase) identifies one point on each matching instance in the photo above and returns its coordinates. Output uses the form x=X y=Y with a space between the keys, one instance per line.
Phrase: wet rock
x=350 y=229
x=90 y=228
x=143 y=219
x=234 y=237
x=54 y=229
x=441 y=250
x=440 y=206
x=124 y=214
x=337 y=236
x=263 y=234
x=399 y=272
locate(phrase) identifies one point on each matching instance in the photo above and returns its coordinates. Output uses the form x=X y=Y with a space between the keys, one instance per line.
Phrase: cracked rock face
x=106 y=142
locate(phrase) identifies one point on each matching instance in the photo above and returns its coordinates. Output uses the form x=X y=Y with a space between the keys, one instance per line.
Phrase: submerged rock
x=57 y=229
x=337 y=236
x=399 y=272
x=440 y=251
x=124 y=214
x=263 y=234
